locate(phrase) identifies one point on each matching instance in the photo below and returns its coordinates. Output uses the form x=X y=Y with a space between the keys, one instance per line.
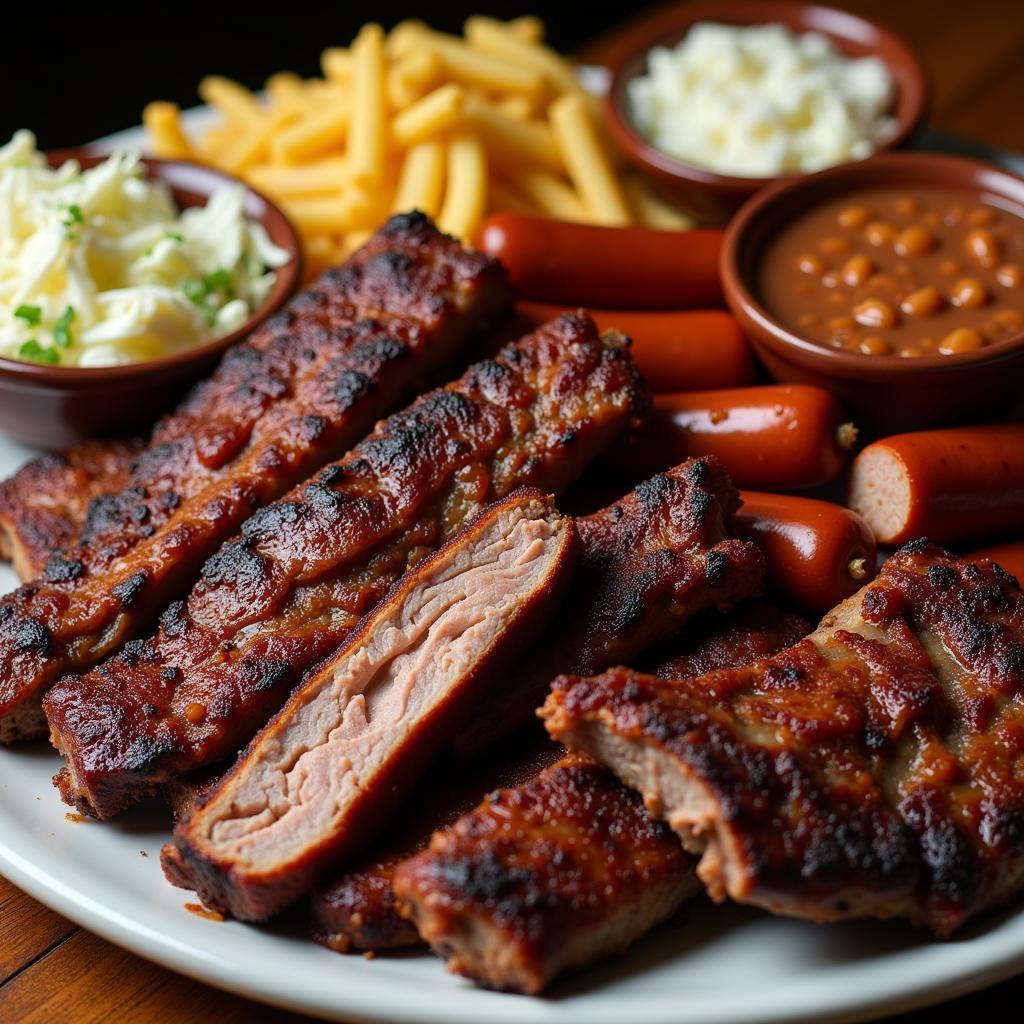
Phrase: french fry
x=492 y=74
x=405 y=37
x=411 y=76
x=367 y=141
x=166 y=136
x=319 y=252
x=421 y=182
x=650 y=210
x=492 y=37
x=233 y=101
x=327 y=175
x=336 y=64
x=551 y=195
x=311 y=137
x=588 y=165
x=527 y=27
x=435 y=113
x=465 y=197
x=530 y=141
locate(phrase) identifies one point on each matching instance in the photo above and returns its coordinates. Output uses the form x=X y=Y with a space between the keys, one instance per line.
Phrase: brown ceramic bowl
x=885 y=393
x=52 y=406
x=714 y=197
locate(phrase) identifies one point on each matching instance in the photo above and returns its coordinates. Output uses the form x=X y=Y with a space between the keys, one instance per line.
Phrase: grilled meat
x=323 y=776
x=306 y=569
x=545 y=878
x=355 y=910
x=650 y=561
x=298 y=393
x=872 y=769
x=751 y=631
x=44 y=505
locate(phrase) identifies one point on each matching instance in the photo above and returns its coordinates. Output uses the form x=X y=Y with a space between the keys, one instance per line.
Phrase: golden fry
x=589 y=167
x=233 y=101
x=492 y=74
x=465 y=197
x=492 y=37
x=527 y=27
x=421 y=183
x=411 y=76
x=502 y=197
x=551 y=196
x=650 y=210
x=166 y=136
x=312 y=137
x=327 y=175
x=336 y=64
x=509 y=139
x=367 y=138
x=435 y=113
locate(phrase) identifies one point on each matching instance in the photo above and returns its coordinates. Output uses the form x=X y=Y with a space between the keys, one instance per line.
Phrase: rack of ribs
x=275 y=601
x=872 y=769
x=297 y=394
x=44 y=504
x=324 y=775
x=648 y=562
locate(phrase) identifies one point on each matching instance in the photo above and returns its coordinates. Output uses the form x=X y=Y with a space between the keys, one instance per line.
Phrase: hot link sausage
x=583 y=264
x=963 y=483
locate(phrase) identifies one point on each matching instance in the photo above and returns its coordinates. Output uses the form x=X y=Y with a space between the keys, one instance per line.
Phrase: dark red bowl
x=886 y=393
x=714 y=197
x=52 y=406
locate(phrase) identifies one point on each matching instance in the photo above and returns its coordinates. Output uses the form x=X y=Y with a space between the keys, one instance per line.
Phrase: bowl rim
x=671 y=22
x=960 y=172
x=161 y=169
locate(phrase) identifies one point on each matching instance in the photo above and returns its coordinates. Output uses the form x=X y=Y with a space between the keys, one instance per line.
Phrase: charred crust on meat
x=61 y=569
x=170 y=673
x=130 y=590
x=262 y=674
x=30 y=636
x=174 y=620
x=915 y=547
x=136 y=651
x=941 y=576
x=715 y=567
x=236 y=564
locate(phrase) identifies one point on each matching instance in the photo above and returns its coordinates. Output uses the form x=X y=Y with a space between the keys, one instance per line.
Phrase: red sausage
x=778 y=437
x=964 y=483
x=818 y=553
x=680 y=351
x=1010 y=556
x=587 y=265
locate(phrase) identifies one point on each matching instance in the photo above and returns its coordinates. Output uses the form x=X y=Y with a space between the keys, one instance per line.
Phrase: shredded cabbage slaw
x=99 y=267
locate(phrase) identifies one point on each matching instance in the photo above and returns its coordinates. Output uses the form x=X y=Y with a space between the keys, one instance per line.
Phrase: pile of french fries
x=456 y=127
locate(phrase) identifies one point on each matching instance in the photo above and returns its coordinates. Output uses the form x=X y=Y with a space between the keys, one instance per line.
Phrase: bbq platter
x=505 y=383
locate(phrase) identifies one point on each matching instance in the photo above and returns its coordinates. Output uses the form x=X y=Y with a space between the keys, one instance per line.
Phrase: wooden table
x=53 y=972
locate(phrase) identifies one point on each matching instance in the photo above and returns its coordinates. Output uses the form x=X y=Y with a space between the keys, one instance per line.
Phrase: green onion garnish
x=31 y=349
x=195 y=290
x=219 y=280
x=175 y=237
x=30 y=314
x=62 y=328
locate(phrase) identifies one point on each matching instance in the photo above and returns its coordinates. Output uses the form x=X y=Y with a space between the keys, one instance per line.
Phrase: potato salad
x=99 y=268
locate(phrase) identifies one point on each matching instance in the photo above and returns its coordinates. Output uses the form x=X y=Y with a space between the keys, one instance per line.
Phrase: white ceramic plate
x=718 y=964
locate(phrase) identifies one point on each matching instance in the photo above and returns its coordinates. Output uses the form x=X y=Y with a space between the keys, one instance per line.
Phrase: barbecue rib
x=873 y=769
x=648 y=562
x=751 y=631
x=306 y=569
x=304 y=387
x=355 y=910
x=323 y=776
x=44 y=505
x=545 y=878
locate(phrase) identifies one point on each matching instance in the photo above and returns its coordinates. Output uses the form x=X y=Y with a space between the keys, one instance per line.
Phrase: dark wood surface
x=53 y=972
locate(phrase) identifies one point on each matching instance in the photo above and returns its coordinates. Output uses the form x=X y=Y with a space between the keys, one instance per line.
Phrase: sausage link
x=959 y=484
x=583 y=264
x=779 y=437
x=817 y=553
x=677 y=351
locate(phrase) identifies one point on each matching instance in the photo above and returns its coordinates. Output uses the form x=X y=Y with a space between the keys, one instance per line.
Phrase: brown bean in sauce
x=887 y=272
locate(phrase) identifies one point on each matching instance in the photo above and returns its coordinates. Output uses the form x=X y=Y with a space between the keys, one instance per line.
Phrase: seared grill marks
x=305 y=570
x=545 y=878
x=643 y=571
x=298 y=393
x=871 y=769
x=43 y=506
x=325 y=773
